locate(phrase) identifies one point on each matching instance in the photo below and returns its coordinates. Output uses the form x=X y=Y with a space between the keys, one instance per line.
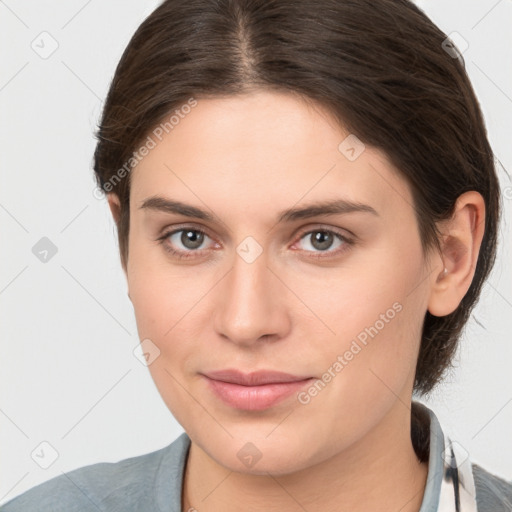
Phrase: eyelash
x=182 y=255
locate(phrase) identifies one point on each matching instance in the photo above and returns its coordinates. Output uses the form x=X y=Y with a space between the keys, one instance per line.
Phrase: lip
x=254 y=391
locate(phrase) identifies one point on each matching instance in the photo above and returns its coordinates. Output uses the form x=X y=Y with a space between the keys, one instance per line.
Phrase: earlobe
x=462 y=239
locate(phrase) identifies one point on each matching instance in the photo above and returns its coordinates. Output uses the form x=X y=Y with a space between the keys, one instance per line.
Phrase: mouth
x=254 y=391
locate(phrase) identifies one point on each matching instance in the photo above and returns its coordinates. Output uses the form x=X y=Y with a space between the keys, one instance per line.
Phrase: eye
x=179 y=242
x=322 y=240
x=189 y=242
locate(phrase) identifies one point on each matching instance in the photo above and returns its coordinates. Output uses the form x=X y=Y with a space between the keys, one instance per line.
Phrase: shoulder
x=128 y=484
x=493 y=493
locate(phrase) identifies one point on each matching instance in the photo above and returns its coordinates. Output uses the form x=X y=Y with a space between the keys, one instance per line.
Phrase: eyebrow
x=337 y=206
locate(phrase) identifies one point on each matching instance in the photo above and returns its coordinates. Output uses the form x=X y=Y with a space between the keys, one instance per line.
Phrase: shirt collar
x=450 y=485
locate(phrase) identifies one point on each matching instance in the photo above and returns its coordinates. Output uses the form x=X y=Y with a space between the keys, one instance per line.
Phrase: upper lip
x=257 y=378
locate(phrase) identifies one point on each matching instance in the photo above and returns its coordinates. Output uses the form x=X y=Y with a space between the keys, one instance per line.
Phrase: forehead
x=264 y=150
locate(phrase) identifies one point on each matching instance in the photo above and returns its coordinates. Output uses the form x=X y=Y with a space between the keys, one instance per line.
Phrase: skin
x=244 y=159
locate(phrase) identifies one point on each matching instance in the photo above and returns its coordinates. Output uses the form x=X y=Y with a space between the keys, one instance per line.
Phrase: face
x=335 y=298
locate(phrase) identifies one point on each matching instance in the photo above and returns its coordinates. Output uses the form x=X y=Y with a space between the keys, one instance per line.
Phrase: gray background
x=69 y=376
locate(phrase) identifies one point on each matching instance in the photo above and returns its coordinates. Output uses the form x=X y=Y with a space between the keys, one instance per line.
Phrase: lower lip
x=254 y=398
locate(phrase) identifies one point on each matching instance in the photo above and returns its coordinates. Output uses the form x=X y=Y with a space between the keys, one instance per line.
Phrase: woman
x=307 y=209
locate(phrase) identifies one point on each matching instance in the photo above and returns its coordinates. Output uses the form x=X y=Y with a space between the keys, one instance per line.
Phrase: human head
x=379 y=68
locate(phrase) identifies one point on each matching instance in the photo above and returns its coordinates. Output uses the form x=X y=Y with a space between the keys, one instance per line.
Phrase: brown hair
x=382 y=68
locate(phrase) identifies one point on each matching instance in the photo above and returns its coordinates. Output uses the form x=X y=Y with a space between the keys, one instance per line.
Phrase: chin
x=259 y=454
x=277 y=464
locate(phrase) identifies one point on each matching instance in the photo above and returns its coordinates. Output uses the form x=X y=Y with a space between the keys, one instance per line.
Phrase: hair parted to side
x=378 y=66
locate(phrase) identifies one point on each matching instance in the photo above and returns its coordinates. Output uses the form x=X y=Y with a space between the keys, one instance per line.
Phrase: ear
x=462 y=238
x=115 y=206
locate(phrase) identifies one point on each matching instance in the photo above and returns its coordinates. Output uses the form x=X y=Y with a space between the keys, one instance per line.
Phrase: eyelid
x=324 y=227
x=167 y=232
x=170 y=230
x=347 y=242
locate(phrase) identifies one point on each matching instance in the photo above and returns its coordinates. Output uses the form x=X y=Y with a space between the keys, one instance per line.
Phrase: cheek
x=169 y=311
x=374 y=315
x=164 y=314
x=161 y=295
x=162 y=303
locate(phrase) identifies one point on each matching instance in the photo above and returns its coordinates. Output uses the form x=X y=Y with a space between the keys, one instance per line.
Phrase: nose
x=251 y=304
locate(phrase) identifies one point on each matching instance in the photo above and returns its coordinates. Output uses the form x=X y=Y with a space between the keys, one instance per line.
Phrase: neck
x=379 y=472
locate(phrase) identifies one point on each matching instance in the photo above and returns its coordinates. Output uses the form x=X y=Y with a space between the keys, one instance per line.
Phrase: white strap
x=458 y=492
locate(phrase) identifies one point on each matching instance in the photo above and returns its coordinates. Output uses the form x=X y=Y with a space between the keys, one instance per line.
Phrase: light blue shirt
x=153 y=482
